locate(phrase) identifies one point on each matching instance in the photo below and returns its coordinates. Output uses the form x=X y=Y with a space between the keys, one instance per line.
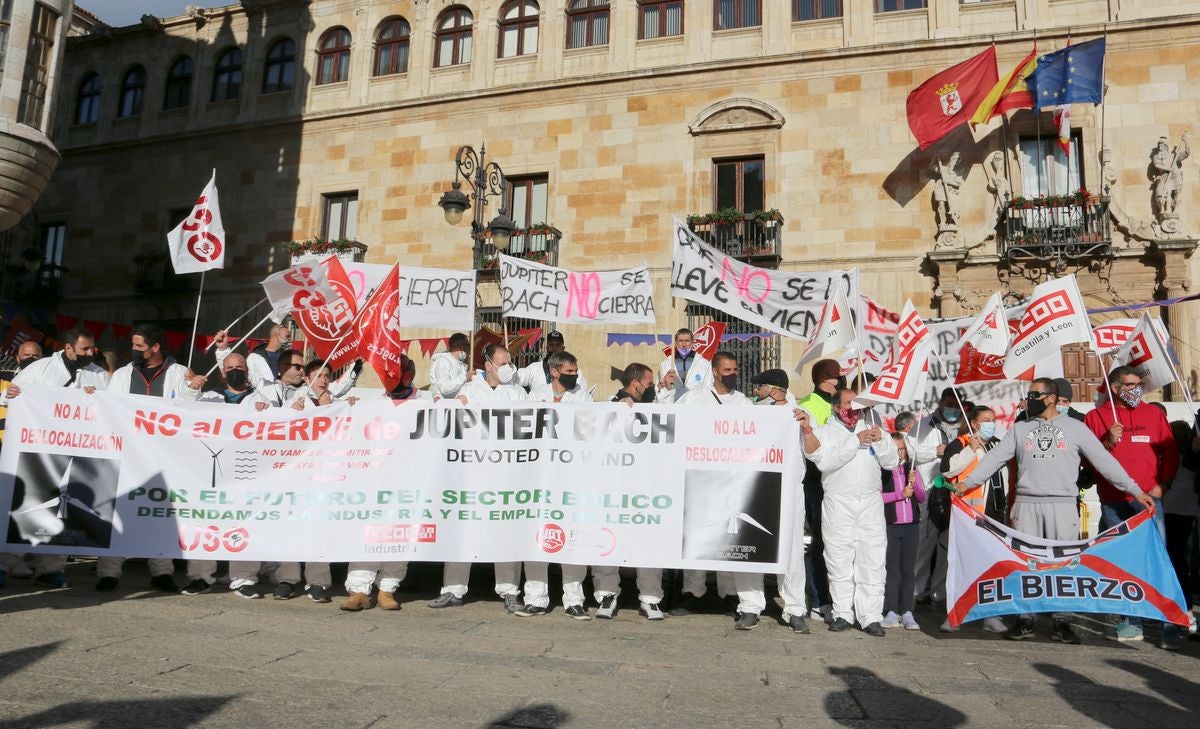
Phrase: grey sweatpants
x=1052 y=520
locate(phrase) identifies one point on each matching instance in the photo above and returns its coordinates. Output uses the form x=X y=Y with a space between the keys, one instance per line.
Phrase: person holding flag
x=685 y=369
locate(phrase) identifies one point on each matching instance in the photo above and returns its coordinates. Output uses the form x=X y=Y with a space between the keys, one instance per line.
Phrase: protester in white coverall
x=497 y=386
x=850 y=453
x=262 y=363
x=150 y=373
x=449 y=370
x=73 y=367
x=683 y=370
x=535 y=376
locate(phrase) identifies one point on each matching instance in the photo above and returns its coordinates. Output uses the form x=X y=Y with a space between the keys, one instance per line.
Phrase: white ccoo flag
x=198 y=243
x=1054 y=316
x=910 y=332
x=835 y=329
x=1145 y=352
x=899 y=381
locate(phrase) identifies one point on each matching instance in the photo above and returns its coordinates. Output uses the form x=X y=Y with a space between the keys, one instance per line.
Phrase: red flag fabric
x=65 y=322
x=19 y=333
x=332 y=325
x=175 y=342
x=121 y=332
x=948 y=99
x=378 y=331
x=706 y=340
x=95 y=328
x=485 y=336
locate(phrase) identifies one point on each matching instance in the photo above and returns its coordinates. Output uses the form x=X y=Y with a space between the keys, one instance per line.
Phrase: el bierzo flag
x=949 y=98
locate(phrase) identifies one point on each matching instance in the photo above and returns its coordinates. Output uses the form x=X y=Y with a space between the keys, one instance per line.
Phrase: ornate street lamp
x=484 y=179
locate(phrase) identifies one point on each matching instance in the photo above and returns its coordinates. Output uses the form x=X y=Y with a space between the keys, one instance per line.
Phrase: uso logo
x=551 y=538
x=210 y=539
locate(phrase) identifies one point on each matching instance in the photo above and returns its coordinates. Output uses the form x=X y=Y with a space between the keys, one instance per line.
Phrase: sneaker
x=197 y=587
x=1172 y=638
x=608 y=608
x=688 y=605
x=891 y=620
x=747 y=621
x=106 y=584
x=731 y=603
x=445 y=600
x=356 y=602
x=284 y=591
x=947 y=627
x=994 y=625
x=248 y=592
x=531 y=611
x=1021 y=630
x=1126 y=632
x=874 y=630
x=577 y=612
x=318 y=593
x=826 y=613
x=53 y=580
x=387 y=601
x=909 y=622
x=838 y=625
x=1063 y=634
x=650 y=611
x=798 y=624
x=512 y=603
x=164 y=583
x=20 y=571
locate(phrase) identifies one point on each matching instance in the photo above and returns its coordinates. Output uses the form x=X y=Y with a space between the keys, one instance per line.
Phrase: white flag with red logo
x=302 y=286
x=378 y=331
x=1146 y=353
x=910 y=332
x=1110 y=336
x=834 y=332
x=988 y=333
x=198 y=243
x=1054 y=316
x=849 y=361
x=899 y=382
x=706 y=340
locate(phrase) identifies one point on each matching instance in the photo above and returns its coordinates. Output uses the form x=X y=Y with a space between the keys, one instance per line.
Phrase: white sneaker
x=909 y=622
x=994 y=625
x=891 y=620
x=947 y=627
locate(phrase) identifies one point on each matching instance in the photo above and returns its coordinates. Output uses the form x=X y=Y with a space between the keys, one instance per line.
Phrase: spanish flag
x=1009 y=93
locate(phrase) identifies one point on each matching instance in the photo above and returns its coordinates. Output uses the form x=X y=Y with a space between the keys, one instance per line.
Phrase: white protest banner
x=198 y=243
x=785 y=302
x=601 y=483
x=1054 y=316
x=532 y=290
x=435 y=298
x=1145 y=352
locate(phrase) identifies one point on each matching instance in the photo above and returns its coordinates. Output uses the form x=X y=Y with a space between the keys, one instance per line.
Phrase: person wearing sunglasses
x=1048 y=447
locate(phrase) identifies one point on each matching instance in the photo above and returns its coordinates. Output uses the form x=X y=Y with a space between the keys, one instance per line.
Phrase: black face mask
x=83 y=360
x=648 y=395
x=138 y=358
x=22 y=364
x=729 y=382
x=568 y=381
x=1035 y=407
x=236 y=379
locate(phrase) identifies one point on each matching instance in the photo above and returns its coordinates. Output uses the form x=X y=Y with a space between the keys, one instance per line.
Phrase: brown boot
x=387 y=601
x=357 y=601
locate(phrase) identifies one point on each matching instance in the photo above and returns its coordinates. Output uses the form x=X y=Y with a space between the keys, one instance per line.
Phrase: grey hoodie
x=1047 y=453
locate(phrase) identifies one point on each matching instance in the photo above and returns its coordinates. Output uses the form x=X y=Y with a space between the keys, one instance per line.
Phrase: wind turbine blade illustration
x=750 y=520
x=44 y=505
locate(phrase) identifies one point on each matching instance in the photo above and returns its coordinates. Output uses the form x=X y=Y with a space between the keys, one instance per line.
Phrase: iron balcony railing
x=1062 y=228
x=751 y=238
x=538 y=244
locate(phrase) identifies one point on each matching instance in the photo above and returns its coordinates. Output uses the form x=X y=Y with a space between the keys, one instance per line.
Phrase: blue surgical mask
x=1062 y=409
x=951 y=415
x=987 y=431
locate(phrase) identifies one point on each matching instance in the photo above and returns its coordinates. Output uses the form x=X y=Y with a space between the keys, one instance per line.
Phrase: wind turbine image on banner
x=216 y=465
x=63 y=499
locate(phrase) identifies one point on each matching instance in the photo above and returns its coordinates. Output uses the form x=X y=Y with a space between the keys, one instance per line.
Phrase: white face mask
x=505 y=373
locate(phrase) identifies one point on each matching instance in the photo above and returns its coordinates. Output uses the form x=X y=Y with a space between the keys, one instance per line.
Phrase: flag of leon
x=948 y=99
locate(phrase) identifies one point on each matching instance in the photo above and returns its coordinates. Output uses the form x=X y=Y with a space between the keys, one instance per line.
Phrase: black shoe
x=688 y=605
x=530 y=611
x=284 y=591
x=731 y=605
x=164 y=583
x=1063 y=634
x=196 y=587
x=874 y=629
x=799 y=624
x=318 y=593
x=578 y=612
x=1022 y=630
x=513 y=604
x=608 y=608
x=247 y=591
x=445 y=600
x=106 y=584
x=838 y=625
x=747 y=621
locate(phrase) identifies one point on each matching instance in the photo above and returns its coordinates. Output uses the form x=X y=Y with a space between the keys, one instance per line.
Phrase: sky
x=118 y=13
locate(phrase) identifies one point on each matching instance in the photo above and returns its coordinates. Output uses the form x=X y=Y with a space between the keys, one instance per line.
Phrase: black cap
x=555 y=335
x=1063 y=385
x=777 y=378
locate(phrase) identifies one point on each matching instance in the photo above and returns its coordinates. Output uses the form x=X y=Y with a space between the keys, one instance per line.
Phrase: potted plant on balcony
x=727 y=217
x=540 y=229
x=342 y=248
x=768 y=217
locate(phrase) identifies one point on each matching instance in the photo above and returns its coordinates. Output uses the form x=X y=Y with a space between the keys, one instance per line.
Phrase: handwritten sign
x=537 y=291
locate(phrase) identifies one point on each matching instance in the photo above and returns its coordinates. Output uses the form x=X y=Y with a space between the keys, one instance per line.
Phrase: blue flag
x=1074 y=75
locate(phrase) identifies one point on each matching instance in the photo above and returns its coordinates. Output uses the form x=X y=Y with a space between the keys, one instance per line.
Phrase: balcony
x=156 y=275
x=537 y=243
x=41 y=286
x=1055 y=228
x=755 y=238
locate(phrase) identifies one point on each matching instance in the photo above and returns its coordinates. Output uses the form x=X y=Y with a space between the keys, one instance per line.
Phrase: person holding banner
x=498 y=385
x=263 y=362
x=448 y=371
x=151 y=372
x=684 y=370
x=1048 y=448
x=235 y=381
x=849 y=454
x=927 y=444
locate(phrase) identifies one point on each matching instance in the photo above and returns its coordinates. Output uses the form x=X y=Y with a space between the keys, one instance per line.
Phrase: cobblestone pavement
x=137 y=658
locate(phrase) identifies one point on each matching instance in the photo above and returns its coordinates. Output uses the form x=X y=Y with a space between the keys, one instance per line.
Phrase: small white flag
x=1054 y=316
x=1146 y=353
x=198 y=243
x=988 y=333
x=834 y=332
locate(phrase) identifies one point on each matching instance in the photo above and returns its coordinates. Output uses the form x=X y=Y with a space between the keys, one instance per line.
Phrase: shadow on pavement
x=172 y=711
x=19 y=659
x=538 y=716
x=882 y=701
x=1080 y=692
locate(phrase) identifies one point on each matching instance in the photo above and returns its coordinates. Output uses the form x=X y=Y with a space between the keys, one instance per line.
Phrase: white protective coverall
x=699 y=377
x=852 y=518
x=447 y=375
x=533 y=378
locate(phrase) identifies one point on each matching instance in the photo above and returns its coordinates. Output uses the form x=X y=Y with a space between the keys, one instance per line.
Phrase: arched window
x=227 y=78
x=333 y=56
x=518 y=29
x=587 y=23
x=179 y=84
x=661 y=18
x=87 y=105
x=391 y=47
x=279 y=72
x=133 y=90
x=453 y=38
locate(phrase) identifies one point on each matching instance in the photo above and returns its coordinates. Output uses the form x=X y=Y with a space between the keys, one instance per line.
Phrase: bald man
x=263 y=362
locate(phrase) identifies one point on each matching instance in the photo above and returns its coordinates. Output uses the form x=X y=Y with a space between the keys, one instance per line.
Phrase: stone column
x=945 y=265
x=1176 y=281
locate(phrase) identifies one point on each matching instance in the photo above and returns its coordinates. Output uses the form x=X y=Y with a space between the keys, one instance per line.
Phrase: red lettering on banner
x=583 y=293
x=742 y=283
x=400 y=533
x=551 y=538
x=210 y=539
x=163 y=423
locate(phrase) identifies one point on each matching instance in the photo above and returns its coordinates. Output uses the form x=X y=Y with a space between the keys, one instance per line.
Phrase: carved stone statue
x=1166 y=181
x=997 y=183
x=946 y=184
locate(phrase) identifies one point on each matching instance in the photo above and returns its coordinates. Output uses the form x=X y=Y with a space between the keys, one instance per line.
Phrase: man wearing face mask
x=637 y=385
x=927 y=443
x=1048 y=448
x=448 y=371
x=535 y=376
x=1141 y=440
x=151 y=372
x=771 y=388
x=263 y=362
x=73 y=366
x=827 y=378
x=497 y=387
x=684 y=370
x=849 y=454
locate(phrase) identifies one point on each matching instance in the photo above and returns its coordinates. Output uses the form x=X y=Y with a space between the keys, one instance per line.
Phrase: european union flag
x=1074 y=75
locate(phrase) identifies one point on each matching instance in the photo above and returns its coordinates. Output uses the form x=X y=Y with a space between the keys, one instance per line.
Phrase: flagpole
x=196 y=321
x=1103 y=106
x=241 y=316
x=238 y=342
x=1104 y=379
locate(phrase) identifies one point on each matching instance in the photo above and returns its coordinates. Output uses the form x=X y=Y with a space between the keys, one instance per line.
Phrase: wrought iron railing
x=539 y=245
x=44 y=285
x=1055 y=229
x=748 y=237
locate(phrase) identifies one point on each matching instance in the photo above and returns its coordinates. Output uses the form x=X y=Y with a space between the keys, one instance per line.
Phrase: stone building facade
x=341 y=118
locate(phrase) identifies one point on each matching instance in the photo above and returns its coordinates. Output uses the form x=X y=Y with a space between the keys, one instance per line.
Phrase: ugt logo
x=551 y=538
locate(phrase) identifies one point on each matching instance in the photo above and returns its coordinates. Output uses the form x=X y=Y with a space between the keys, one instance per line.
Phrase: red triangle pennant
x=175 y=342
x=429 y=346
x=122 y=333
x=65 y=322
x=95 y=328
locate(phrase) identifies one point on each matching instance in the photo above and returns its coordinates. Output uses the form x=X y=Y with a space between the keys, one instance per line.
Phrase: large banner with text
x=587 y=484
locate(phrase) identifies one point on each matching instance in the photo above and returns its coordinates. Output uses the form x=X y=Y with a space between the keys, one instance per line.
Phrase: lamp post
x=484 y=179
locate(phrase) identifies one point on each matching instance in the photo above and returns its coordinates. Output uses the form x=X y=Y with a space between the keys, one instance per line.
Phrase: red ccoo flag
x=378 y=332
x=948 y=99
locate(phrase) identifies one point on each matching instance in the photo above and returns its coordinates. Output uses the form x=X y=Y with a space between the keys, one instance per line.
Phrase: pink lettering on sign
x=583 y=294
x=745 y=283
